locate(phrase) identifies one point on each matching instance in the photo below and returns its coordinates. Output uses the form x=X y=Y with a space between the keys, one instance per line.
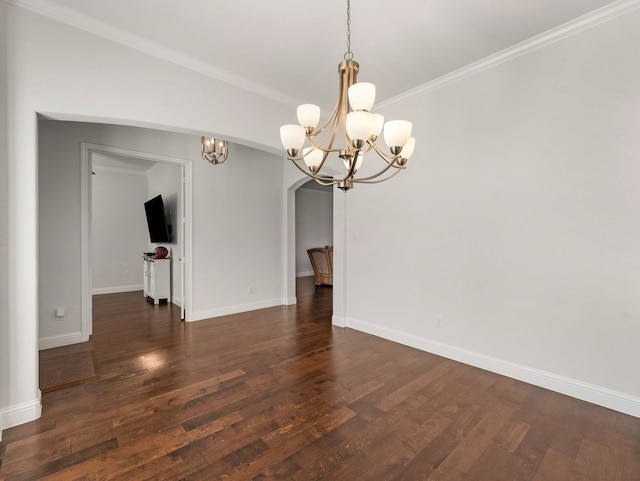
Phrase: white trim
x=120 y=170
x=339 y=321
x=20 y=413
x=572 y=27
x=60 y=340
x=87 y=150
x=97 y=27
x=289 y=244
x=225 y=311
x=86 y=277
x=599 y=395
x=96 y=291
x=76 y=19
x=304 y=274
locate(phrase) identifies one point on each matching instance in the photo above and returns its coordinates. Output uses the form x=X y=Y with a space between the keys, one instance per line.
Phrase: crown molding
x=52 y=10
x=585 y=22
x=73 y=18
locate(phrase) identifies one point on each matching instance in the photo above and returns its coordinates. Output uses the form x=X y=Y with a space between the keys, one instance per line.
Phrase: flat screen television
x=159 y=228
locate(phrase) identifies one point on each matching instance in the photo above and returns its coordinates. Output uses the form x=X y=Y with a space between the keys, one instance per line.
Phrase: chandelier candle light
x=214 y=151
x=352 y=119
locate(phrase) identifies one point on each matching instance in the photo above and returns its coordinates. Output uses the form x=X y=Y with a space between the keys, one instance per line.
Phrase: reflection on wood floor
x=280 y=394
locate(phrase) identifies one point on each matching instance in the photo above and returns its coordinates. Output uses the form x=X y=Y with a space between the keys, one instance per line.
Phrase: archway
x=294 y=182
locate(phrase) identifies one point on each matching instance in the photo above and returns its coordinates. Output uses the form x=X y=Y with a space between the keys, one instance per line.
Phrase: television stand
x=157 y=279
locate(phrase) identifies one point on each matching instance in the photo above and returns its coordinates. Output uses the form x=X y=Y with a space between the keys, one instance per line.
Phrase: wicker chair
x=322 y=261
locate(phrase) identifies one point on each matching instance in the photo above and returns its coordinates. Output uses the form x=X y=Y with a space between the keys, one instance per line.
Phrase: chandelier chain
x=348 y=54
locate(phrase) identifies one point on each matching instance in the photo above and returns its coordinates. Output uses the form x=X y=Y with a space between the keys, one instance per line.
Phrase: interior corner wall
x=5 y=328
x=314 y=225
x=119 y=233
x=165 y=179
x=517 y=220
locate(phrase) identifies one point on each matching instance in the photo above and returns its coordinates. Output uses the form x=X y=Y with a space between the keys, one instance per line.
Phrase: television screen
x=159 y=230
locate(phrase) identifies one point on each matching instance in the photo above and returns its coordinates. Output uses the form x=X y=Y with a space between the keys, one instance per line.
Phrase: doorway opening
x=94 y=159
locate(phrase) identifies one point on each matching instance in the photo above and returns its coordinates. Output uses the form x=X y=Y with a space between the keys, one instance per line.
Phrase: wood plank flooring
x=278 y=394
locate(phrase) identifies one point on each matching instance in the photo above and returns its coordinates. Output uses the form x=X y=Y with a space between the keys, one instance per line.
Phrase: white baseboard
x=599 y=395
x=61 y=340
x=339 y=321
x=114 y=290
x=225 y=311
x=290 y=301
x=20 y=413
x=304 y=274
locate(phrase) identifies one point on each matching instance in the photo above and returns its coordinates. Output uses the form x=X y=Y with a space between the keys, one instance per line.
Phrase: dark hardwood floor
x=278 y=394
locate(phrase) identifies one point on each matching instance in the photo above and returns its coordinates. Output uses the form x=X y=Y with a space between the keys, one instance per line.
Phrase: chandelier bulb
x=407 y=149
x=396 y=134
x=362 y=95
x=292 y=136
x=308 y=116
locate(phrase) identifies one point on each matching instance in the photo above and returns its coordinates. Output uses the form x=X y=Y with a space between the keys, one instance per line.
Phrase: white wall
x=237 y=221
x=517 y=221
x=165 y=179
x=68 y=73
x=238 y=233
x=314 y=224
x=119 y=229
x=6 y=377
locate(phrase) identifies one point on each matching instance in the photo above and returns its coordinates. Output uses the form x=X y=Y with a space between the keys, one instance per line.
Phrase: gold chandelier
x=214 y=151
x=352 y=120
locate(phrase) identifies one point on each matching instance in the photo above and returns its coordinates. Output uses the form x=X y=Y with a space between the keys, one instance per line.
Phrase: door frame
x=87 y=151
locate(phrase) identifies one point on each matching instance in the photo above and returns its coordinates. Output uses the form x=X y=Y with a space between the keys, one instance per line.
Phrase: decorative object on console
x=214 y=151
x=352 y=120
x=322 y=262
x=161 y=252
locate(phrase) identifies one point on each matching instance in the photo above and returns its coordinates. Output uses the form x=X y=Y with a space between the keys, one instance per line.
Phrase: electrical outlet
x=439 y=322
x=127 y=273
x=250 y=289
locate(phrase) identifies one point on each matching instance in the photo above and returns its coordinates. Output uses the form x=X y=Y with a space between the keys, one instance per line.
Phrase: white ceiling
x=291 y=48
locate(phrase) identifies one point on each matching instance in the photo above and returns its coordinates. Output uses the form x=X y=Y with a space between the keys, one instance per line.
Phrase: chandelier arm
x=352 y=167
x=328 y=150
x=380 y=172
x=329 y=122
x=369 y=180
x=312 y=175
x=385 y=157
x=327 y=182
x=326 y=153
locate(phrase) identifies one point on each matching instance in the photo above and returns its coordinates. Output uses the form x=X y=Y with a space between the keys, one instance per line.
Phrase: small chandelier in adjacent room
x=214 y=151
x=352 y=120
